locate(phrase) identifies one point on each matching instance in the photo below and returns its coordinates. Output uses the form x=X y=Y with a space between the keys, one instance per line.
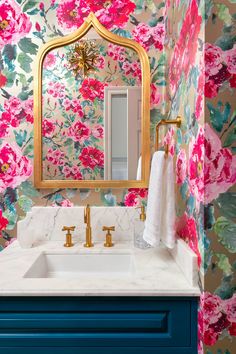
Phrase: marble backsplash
x=45 y=223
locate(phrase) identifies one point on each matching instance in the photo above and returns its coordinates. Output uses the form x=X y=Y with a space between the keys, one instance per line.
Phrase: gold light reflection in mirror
x=92 y=22
x=83 y=58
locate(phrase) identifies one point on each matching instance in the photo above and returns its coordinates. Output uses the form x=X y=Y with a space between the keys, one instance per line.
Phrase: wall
x=218 y=319
x=203 y=93
x=24 y=27
x=200 y=90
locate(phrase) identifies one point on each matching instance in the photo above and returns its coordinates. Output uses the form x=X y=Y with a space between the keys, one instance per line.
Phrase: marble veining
x=45 y=223
x=158 y=271
x=156 y=274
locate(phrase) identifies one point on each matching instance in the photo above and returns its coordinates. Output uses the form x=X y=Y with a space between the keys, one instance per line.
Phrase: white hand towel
x=152 y=231
x=139 y=169
x=160 y=222
x=168 y=208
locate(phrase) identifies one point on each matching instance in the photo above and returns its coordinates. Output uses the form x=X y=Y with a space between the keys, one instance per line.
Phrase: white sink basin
x=49 y=265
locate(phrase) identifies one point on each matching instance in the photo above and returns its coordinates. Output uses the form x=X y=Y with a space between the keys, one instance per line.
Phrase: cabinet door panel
x=98 y=322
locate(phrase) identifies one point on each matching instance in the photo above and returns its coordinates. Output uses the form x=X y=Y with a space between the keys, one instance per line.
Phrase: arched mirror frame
x=92 y=21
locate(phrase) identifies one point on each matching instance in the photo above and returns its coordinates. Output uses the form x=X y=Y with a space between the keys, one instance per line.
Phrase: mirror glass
x=91 y=111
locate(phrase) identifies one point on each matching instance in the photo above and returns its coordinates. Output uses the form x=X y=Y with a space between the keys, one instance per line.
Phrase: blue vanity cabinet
x=98 y=325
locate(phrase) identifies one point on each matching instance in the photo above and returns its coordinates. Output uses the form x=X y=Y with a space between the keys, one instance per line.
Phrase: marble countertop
x=156 y=274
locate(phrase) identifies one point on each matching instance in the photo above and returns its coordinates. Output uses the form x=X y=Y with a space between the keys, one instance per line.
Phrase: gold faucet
x=87 y=220
x=68 y=230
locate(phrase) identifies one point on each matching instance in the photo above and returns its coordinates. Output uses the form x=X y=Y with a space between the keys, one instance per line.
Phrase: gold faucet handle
x=108 y=229
x=68 y=242
x=68 y=228
x=142 y=215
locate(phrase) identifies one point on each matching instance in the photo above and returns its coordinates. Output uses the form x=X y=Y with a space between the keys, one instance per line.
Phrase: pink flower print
x=127 y=67
x=13 y=105
x=48 y=128
x=91 y=89
x=37 y=27
x=56 y=89
x=215 y=316
x=135 y=196
x=136 y=68
x=200 y=92
x=100 y=62
x=187 y=230
x=8 y=119
x=155 y=95
x=230 y=59
x=67 y=104
x=232 y=329
x=220 y=166
x=144 y=31
x=28 y=110
x=131 y=199
x=49 y=60
x=3 y=80
x=98 y=131
x=213 y=59
x=170 y=141
x=72 y=172
x=92 y=157
x=67 y=14
x=17 y=110
x=211 y=89
x=186 y=47
x=4 y=129
x=211 y=307
x=158 y=34
x=73 y=105
x=76 y=107
x=112 y=13
x=181 y=167
x=66 y=203
x=196 y=166
x=232 y=81
x=221 y=324
x=210 y=337
x=213 y=83
x=148 y=36
x=14 y=167
x=141 y=193
x=79 y=132
x=143 y=35
x=3 y=222
x=56 y=157
x=116 y=52
x=14 y=24
x=229 y=307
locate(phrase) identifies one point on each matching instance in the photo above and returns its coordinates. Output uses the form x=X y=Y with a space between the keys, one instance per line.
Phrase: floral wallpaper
x=73 y=108
x=201 y=88
x=192 y=52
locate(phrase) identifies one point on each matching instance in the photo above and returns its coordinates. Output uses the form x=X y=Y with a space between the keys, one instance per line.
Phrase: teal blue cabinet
x=98 y=325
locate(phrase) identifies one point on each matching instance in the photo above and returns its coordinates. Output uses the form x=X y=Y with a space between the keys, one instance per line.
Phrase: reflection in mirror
x=91 y=111
x=123 y=132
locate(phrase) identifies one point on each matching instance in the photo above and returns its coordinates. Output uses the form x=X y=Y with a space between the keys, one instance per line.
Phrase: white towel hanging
x=152 y=231
x=160 y=222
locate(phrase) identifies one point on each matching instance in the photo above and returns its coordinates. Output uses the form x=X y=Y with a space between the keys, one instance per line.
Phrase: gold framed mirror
x=90 y=127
